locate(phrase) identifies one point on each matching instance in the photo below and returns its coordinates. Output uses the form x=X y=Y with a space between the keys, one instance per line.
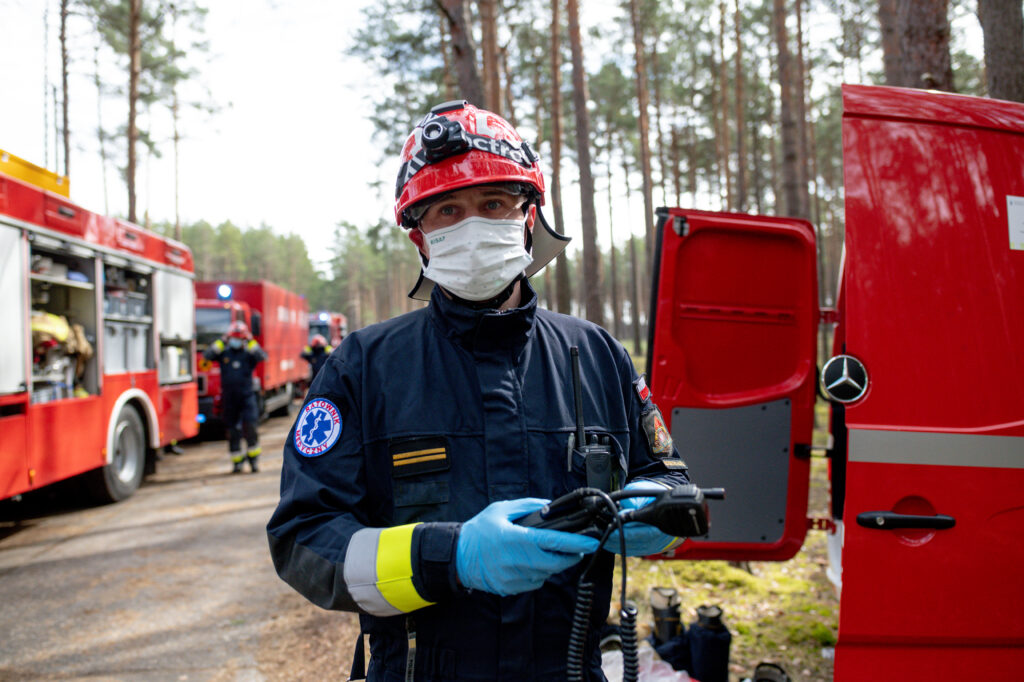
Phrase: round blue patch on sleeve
x=318 y=427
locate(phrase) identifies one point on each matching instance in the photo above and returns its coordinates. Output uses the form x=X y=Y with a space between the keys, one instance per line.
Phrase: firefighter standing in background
x=238 y=358
x=426 y=436
x=316 y=354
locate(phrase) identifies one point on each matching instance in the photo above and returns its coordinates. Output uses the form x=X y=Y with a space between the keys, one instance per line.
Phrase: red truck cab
x=924 y=383
x=331 y=326
x=277 y=319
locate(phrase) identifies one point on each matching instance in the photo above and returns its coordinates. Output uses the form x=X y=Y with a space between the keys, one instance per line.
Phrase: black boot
x=237 y=462
x=253 y=455
x=665 y=607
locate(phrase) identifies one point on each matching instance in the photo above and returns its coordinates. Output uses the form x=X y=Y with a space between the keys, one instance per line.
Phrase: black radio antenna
x=577 y=392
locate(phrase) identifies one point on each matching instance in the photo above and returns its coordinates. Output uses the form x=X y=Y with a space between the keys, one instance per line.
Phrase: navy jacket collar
x=484 y=330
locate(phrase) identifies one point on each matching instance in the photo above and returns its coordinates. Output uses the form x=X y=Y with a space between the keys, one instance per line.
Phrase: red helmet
x=318 y=341
x=458 y=145
x=238 y=330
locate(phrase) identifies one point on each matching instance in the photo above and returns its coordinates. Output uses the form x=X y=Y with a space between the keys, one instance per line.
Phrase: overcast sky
x=290 y=146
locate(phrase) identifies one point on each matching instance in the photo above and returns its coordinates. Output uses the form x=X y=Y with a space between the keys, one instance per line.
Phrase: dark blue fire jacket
x=236 y=366
x=316 y=356
x=415 y=425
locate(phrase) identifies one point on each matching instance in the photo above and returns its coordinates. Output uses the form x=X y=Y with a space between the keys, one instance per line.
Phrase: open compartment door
x=732 y=366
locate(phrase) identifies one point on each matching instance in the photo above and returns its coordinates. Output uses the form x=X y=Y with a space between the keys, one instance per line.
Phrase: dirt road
x=173 y=584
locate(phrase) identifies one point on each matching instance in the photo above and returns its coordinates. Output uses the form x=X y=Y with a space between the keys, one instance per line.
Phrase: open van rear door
x=933 y=308
x=732 y=364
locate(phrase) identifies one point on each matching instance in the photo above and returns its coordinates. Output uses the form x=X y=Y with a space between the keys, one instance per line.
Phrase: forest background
x=712 y=104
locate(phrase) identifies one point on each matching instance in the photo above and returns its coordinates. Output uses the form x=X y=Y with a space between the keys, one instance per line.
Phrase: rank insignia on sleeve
x=641 y=388
x=415 y=456
x=657 y=433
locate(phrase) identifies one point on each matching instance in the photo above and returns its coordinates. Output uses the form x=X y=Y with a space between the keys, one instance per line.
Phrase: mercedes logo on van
x=844 y=379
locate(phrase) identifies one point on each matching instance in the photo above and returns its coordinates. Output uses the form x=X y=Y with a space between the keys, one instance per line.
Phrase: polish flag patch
x=641 y=389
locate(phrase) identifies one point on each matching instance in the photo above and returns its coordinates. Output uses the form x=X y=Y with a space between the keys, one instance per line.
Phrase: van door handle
x=887 y=520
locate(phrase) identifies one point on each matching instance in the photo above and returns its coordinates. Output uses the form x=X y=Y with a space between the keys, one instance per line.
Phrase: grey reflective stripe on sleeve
x=361 y=573
x=939 y=449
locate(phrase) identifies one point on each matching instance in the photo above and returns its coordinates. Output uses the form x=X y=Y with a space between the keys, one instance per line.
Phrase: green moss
x=801 y=631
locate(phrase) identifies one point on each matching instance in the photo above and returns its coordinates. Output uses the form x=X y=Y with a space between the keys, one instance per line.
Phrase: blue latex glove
x=641 y=538
x=497 y=556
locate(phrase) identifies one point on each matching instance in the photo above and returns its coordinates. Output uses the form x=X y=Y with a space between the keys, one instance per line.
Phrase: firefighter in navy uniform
x=238 y=359
x=425 y=436
x=316 y=354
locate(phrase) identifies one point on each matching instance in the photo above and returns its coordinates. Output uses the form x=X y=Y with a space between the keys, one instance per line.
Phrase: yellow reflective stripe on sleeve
x=394 y=569
x=361 y=573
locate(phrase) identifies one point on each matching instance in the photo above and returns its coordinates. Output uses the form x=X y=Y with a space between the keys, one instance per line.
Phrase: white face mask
x=476 y=258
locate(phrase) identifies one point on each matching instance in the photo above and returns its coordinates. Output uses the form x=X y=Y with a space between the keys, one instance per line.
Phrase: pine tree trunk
x=176 y=136
x=677 y=177
x=800 y=99
x=638 y=344
x=691 y=133
x=616 y=307
x=64 y=84
x=887 y=21
x=489 y=47
x=723 y=109
x=634 y=274
x=135 y=62
x=1002 y=22
x=758 y=188
x=446 y=55
x=659 y=142
x=464 y=51
x=643 y=103
x=591 y=256
x=99 y=127
x=508 y=103
x=924 y=34
x=741 y=125
x=790 y=144
x=562 y=283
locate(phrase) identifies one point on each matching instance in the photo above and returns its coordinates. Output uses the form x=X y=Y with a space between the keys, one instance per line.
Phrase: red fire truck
x=278 y=320
x=332 y=326
x=97 y=350
x=925 y=384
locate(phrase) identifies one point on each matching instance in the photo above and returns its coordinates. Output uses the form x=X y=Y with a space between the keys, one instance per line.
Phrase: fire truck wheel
x=122 y=477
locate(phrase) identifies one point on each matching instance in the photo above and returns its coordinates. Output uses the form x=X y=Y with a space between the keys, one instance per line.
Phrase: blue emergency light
x=201 y=418
x=224 y=292
x=324 y=317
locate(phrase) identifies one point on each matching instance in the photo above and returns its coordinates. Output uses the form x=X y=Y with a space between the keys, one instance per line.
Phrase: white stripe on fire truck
x=941 y=449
